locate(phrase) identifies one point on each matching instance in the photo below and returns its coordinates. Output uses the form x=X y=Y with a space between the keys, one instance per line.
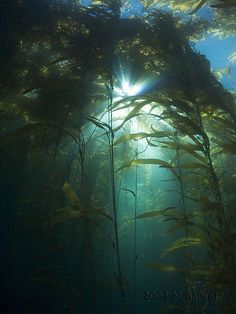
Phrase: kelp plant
x=64 y=151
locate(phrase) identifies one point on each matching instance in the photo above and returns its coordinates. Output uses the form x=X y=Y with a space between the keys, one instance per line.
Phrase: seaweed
x=65 y=160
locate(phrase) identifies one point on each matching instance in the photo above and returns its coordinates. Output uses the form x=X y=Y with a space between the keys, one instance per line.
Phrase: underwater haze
x=117 y=156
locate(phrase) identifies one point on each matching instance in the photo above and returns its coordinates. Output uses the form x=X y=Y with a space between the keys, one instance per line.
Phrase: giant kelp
x=60 y=156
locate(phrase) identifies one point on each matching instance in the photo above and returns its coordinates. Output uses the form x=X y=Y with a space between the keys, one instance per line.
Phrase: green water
x=117 y=151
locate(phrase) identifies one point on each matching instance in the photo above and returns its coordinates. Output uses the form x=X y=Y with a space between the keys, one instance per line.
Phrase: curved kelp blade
x=164 y=267
x=185 y=125
x=141 y=135
x=174 y=212
x=183 y=242
x=149 y=161
x=134 y=113
x=101 y=212
x=129 y=101
x=99 y=124
x=128 y=190
x=150 y=214
x=160 y=134
x=128 y=137
x=204 y=271
x=156 y=213
x=189 y=148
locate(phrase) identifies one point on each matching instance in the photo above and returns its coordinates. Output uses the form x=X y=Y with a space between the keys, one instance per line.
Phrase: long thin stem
x=113 y=187
x=135 y=225
x=188 y=252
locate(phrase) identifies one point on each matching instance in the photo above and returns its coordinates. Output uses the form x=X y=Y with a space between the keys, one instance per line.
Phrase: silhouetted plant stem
x=188 y=252
x=135 y=225
x=215 y=182
x=113 y=189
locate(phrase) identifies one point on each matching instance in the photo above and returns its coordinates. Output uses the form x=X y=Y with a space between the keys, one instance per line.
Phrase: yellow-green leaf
x=183 y=242
x=164 y=267
x=155 y=213
x=127 y=137
x=72 y=196
x=150 y=214
x=135 y=112
x=150 y=161
x=102 y=212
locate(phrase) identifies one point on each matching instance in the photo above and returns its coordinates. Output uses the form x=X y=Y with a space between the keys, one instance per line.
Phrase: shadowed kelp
x=97 y=185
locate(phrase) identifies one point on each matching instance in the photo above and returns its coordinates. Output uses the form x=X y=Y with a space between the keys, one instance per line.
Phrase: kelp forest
x=117 y=151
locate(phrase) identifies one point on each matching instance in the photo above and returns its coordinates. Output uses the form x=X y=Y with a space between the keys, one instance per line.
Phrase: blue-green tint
x=117 y=157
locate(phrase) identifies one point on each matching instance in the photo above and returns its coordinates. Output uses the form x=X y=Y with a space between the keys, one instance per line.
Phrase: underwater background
x=117 y=156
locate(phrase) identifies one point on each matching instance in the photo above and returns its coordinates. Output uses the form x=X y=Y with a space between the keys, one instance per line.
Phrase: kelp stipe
x=60 y=157
x=119 y=276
